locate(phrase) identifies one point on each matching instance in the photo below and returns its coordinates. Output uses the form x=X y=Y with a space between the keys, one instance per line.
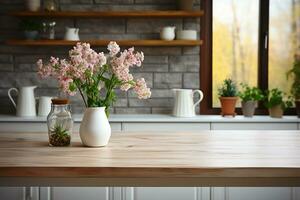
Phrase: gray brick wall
x=164 y=67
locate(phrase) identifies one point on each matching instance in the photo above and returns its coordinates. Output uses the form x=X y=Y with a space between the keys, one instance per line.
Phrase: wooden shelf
x=105 y=42
x=109 y=14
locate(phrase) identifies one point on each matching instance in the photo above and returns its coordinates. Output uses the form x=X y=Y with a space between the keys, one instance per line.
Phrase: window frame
x=206 y=57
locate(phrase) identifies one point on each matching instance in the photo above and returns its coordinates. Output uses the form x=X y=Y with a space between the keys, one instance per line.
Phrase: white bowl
x=186 y=35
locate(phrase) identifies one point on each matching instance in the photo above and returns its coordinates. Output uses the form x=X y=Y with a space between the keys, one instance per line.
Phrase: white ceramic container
x=33 y=5
x=44 y=105
x=167 y=33
x=186 y=35
x=26 y=101
x=95 y=129
x=184 y=105
x=72 y=34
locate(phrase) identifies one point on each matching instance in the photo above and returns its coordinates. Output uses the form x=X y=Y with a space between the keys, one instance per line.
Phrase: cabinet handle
x=28 y=193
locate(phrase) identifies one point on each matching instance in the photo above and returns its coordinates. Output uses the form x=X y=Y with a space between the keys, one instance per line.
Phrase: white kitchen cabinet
x=253 y=126
x=257 y=193
x=170 y=193
x=165 y=126
x=19 y=193
x=12 y=193
x=80 y=193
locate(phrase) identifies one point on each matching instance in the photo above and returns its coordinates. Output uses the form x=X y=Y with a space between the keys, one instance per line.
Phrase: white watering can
x=184 y=105
x=26 y=101
x=72 y=34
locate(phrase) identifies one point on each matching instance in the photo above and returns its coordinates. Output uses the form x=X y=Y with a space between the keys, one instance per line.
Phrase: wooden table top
x=213 y=157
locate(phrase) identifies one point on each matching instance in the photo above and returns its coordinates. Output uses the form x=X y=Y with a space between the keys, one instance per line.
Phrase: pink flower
x=113 y=48
x=85 y=70
x=44 y=71
x=82 y=56
x=141 y=89
x=125 y=87
x=64 y=84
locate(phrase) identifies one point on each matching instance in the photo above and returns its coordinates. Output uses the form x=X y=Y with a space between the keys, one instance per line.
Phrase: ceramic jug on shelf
x=26 y=101
x=167 y=33
x=72 y=34
x=184 y=105
x=44 y=107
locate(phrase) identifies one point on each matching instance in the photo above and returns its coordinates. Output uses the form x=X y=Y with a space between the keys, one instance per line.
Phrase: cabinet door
x=253 y=126
x=19 y=193
x=169 y=193
x=257 y=193
x=168 y=127
x=79 y=193
x=11 y=193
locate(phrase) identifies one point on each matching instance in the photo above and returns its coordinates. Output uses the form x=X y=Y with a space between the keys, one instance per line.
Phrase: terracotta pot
x=276 y=111
x=185 y=4
x=248 y=108
x=297 y=103
x=228 y=105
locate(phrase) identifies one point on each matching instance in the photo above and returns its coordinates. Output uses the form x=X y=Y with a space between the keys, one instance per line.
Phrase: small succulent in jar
x=59 y=136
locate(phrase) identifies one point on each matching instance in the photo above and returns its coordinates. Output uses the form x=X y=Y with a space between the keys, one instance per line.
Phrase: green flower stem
x=83 y=98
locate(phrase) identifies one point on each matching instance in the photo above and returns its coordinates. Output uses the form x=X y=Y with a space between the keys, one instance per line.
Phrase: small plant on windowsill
x=228 y=97
x=274 y=101
x=250 y=96
x=295 y=90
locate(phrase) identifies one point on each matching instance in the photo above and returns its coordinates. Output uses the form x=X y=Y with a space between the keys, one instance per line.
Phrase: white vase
x=33 y=5
x=95 y=129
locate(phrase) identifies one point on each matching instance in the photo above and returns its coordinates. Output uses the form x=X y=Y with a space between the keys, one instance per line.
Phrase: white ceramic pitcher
x=72 y=34
x=167 y=33
x=26 y=101
x=184 y=105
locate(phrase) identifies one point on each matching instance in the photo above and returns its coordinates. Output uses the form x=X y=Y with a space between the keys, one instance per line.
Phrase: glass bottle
x=60 y=123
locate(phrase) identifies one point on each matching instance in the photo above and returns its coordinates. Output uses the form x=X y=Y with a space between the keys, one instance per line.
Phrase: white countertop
x=164 y=118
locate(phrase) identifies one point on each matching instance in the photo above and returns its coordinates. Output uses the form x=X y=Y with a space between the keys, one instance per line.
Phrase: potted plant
x=186 y=5
x=228 y=97
x=249 y=96
x=295 y=90
x=96 y=76
x=31 y=29
x=274 y=101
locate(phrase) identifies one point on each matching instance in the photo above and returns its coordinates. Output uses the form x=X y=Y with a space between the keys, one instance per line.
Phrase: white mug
x=44 y=105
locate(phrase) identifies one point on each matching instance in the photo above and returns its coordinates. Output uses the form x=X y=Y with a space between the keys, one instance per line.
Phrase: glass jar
x=60 y=123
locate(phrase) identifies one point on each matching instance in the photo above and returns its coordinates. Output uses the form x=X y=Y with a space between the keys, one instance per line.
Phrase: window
x=283 y=40
x=250 y=41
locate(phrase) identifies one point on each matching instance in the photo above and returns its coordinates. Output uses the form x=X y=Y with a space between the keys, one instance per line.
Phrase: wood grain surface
x=224 y=156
